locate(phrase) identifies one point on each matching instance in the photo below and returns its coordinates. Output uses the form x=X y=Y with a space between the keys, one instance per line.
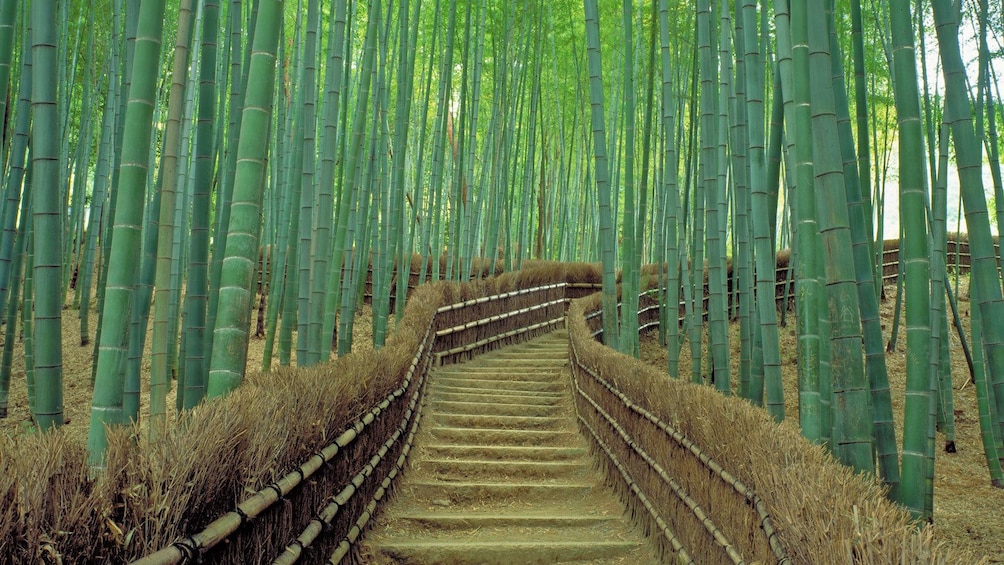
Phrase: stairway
x=500 y=475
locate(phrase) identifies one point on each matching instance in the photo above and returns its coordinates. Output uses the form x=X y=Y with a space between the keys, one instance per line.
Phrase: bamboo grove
x=222 y=171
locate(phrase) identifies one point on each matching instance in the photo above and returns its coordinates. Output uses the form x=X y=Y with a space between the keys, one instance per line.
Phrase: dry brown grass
x=823 y=511
x=968 y=511
x=51 y=507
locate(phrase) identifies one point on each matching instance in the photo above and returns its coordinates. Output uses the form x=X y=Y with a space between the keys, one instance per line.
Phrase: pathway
x=500 y=473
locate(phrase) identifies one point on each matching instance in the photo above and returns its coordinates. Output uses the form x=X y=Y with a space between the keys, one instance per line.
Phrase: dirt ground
x=968 y=511
x=77 y=394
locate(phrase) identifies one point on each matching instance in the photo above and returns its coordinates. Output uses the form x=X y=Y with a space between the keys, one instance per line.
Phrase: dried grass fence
x=715 y=479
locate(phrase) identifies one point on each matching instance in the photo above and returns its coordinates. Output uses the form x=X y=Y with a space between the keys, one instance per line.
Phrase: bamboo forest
x=246 y=247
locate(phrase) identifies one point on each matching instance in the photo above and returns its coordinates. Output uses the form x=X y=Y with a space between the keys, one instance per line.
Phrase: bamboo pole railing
x=754 y=503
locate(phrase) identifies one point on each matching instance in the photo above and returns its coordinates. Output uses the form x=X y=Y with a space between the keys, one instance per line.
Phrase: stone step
x=454 y=394
x=463 y=492
x=504 y=470
x=480 y=382
x=502 y=373
x=505 y=453
x=505 y=438
x=559 y=348
x=473 y=521
x=520 y=362
x=482 y=421
x=505 y=552
x=498 y=408
x=528 y=356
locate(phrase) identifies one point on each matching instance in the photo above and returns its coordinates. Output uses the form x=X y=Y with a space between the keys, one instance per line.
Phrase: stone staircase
x=500 y=475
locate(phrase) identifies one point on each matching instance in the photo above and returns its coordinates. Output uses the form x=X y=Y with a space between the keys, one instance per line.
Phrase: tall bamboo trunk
x=230 y=335
x=107 y=409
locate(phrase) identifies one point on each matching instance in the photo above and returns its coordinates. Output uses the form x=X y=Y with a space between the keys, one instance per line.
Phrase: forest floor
x=968 y=511
x=77 y=395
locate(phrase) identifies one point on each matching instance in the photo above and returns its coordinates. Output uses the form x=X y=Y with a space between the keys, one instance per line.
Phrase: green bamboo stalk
x=99 y=196
x=388 y=249
x=629 y=279
x=28 y=306
x=46 y=209
x=917 y=487
x=8 y=32
x=983 y=258
x=794 y=70
x=294 y=187
x=305 y=356
x=406 y=70
x=750 y=373
x=984 y=399
x=670 y=187
x=14 y=185
x=602 y=175
x=763 y=217
x=10 y=312
x=73 y=242
x=131 y=18
x=326 y=179
x=160 y=365
x=193 y=372
x=643 y=220
x=695 y=288
x=940 y=362
x=851 y=394
x=457 y=139
x=859 y=215
x=179 y=245
x=993 y=149
x=225 y=193
x=714 y=192
x=66 y=58
x=352 y=192
x=107 y=406
x=861 y=121
x=82 y=165
x=280 y=237
x=429 y=248
x=290 y=183
x=230 y=334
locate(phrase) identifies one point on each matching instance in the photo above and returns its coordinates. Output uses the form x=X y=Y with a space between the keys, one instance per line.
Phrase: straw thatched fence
x=715 y=479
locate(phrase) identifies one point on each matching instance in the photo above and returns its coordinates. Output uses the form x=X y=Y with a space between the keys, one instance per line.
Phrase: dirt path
x=501 y=474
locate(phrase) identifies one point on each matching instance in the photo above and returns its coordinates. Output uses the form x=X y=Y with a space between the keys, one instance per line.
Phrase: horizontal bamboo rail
x=738 y=486
x=957 y=256
x=681 y=493
x=749 y=495
x=489 y=340
x=497 y=318
x=326 y=516
x=478 y=332
x=681 y=552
